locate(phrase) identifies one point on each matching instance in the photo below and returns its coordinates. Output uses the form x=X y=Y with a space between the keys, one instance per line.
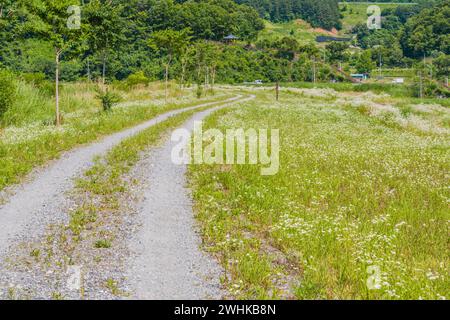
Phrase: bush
x=8 y=89
x=430 y=89
x=108 y=99
x=199 y=91
x=136 y=79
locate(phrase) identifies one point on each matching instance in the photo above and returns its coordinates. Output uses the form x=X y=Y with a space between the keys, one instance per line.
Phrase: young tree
x=210 y=56
x=287 y=49
x=170 y=43
x=201 y=57
x=105 y=28
x=364 y=64
x=55 y=21
x=337 y=51
x=186 y=59
x=214 y=60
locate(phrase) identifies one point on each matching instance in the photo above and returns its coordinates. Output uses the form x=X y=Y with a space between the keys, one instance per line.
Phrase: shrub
x=102 y=244
x=199 y=91
x=8 y=89
x=430 y=89
x=136 y=79
x=108 y=99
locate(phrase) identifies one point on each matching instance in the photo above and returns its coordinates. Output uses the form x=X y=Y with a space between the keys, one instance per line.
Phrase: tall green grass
x=353 y=192
x=29 y=138
x=392 y=89
x=36 y=102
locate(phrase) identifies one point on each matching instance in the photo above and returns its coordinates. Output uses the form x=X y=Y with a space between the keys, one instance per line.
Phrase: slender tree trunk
x=104 y=69
x=206 y=78
x=420 y=85
x=213 y=77
x=58 y=117
x=199 y=75
x=431 y=70
x=166 y=89
x=183 y=72
x=277 y=90
x=181 y=78
x=314 y=70
x=104 y=56
x=89 y=70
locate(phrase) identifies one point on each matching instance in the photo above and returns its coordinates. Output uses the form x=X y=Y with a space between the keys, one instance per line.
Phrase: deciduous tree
x=170 y=43
x=51 y=20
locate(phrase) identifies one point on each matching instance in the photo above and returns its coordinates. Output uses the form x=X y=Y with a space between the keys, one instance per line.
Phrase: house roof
x=330 y=39
x=230 y=37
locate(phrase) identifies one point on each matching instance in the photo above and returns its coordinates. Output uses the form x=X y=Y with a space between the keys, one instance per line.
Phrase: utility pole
x=314 y=69
x=424 y=63
x=380 y=64
x=58 y=115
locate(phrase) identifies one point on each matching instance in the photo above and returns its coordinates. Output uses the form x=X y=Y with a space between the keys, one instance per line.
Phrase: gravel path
x=37 y=203
x=168 y=262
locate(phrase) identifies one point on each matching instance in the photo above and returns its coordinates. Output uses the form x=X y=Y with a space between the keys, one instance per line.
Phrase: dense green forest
x=145 y=40
x=127 y=27
x=410 y=32
x=323 y=13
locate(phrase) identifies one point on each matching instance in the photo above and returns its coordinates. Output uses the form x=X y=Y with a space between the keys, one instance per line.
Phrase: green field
x=298 y=29
x=358 y=209
x=362 y=186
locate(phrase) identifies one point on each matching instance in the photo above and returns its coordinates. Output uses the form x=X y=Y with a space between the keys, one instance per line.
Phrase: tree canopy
x=320 y=13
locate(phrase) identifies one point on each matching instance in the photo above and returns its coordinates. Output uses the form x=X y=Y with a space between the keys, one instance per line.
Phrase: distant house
x=360 y=76
x=398 y=81
x=230 y=38
x=331 y=39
